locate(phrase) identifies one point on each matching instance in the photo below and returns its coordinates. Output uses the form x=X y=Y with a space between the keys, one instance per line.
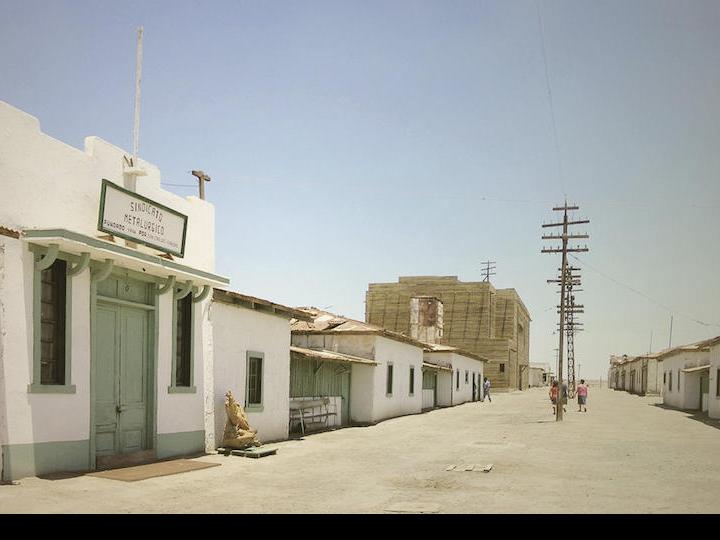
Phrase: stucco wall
x=362 y=392
x=58 y=186
x=686 y=395
x=444 y=388
x=464 y=364
x=402 y=355
x=237 y=330
x=713 y=398
x=34 y=417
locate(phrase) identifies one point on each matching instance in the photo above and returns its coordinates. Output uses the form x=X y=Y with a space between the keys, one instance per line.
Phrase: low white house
x=714 y=378
x=466 y=376
x=251 y=343
x=686 y=373
x=389 y=386
x=538 y=375
x=104 y=293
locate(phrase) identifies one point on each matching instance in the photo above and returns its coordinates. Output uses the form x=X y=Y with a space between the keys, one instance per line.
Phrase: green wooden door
x=121 y=380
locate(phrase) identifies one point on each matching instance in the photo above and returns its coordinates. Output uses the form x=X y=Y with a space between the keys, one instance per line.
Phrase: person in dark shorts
x=554 y=394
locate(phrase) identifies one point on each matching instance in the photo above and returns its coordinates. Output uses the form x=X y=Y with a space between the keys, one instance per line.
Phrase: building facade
x=105 y=280
x=251 y=353
x=476 y=317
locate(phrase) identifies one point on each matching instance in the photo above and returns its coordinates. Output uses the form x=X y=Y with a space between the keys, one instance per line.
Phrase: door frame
x=152 y=351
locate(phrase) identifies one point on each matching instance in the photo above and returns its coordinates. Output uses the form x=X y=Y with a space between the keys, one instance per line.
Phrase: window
x=664 y=377
x=502 y=368
x=389 y=382
x=670 y=382
x=466 y=376
x=457 y=380
x=412 y=380
x=254 y=380
x=183 y=342
x=52 y=323
x=717 y=383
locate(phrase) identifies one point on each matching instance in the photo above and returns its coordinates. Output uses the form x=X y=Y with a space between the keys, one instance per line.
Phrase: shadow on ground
x=696 y=415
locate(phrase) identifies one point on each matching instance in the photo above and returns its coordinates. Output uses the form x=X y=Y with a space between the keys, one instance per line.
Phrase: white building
x=714 y=379
x=686 y=374
x=538 y=375
x=104 y=334
x=388 y=384
x=251 y=343
x=465 y=379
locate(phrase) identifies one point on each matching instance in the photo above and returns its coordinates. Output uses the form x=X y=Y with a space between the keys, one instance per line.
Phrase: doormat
x=161 y=468
x=249 y=452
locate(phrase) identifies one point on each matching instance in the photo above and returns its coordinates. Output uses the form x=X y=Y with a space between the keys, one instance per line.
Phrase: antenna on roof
x=488 y=270
x=133 y=171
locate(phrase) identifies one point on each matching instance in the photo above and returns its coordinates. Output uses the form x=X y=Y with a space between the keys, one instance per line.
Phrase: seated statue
x=238 y=433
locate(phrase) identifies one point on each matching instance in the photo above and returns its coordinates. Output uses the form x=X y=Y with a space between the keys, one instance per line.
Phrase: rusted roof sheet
x=438 y=367
x=699 y=368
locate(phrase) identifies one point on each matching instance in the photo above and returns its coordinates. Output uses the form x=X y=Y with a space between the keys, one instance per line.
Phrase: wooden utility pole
x=488 y=270
x=565 y=280
x=202 y=178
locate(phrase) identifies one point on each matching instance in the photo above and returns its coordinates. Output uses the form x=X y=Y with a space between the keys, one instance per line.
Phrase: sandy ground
x=625 y=455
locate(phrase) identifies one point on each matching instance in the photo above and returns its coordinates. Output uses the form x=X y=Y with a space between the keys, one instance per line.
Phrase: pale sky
x=354 y=142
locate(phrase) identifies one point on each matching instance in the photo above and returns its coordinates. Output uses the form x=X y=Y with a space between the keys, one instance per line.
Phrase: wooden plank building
x=493 y=323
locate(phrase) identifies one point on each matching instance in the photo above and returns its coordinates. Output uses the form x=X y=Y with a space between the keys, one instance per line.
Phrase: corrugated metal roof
x=332 y=356
x=699 y=368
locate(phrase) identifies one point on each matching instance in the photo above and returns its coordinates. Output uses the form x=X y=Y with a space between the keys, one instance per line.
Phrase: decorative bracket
x=207 y=289
x=182 y=293
x=169 y=284
x=49 y=258
x=80 y=266
x=104 y=271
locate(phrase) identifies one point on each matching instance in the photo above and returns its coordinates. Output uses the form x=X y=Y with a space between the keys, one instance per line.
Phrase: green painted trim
x=51 y=388
x=183 y=291
x=173 y=382
x=182 y=390
x=121 y=250
x=47 y=260
x=169 y=210
x=261 y=356
x=207 y=289
x=180 y=444
x=121 y=302
x=103 y=272
x=23 y=460
x=36 y=309
x=169 y=284
x=82 y=264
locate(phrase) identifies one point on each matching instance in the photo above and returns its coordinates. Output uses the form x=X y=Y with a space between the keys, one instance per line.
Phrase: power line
x=660 y=304
x=549 y=90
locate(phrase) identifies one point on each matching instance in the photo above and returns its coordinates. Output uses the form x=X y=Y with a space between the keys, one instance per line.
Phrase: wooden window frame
x=249 y=356
x=389 y=376
x=36 y=386
x=412 y=381
x=174 y=387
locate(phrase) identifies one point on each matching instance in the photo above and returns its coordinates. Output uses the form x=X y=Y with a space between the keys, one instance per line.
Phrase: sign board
x=136 y=218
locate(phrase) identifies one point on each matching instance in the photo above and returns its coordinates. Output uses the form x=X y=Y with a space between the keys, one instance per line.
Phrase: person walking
x=582 y=392
x=564 y=395
x=554 y=394
x=486 y=389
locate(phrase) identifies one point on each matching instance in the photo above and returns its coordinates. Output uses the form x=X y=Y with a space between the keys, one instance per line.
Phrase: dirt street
x=625 y=455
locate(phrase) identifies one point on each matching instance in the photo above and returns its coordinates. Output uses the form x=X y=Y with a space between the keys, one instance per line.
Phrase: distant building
x=538 y=375
x=637 y=374
x=476 y=317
